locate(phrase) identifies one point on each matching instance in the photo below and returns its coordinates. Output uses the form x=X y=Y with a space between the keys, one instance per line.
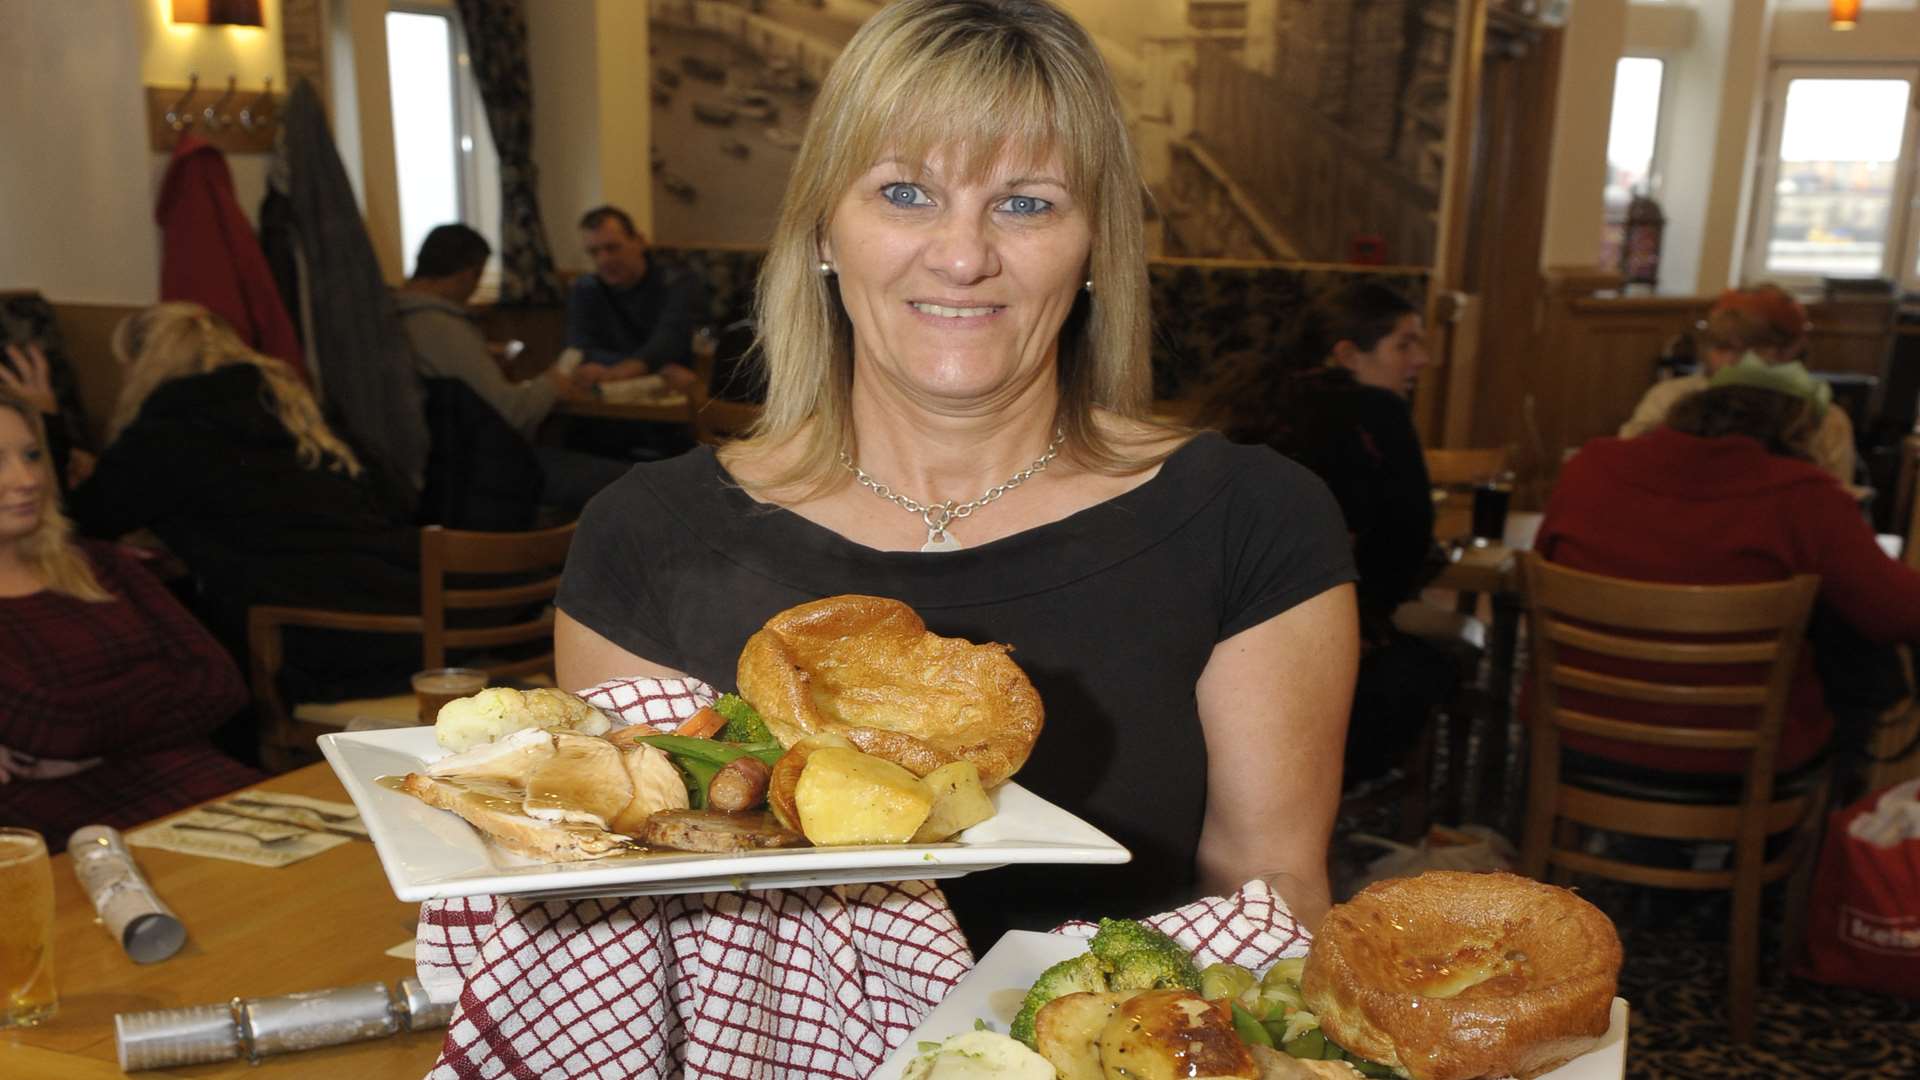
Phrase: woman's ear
x=1345 y=353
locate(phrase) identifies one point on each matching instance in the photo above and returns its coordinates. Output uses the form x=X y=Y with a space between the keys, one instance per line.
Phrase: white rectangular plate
x=995 y=989
x=431 y=854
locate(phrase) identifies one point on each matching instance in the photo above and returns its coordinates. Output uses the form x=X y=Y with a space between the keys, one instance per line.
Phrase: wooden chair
x=522 y=574
x=715 y=420
x=1753 y=627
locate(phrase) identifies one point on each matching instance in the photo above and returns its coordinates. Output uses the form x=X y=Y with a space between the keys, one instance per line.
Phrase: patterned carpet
x=1675 y=980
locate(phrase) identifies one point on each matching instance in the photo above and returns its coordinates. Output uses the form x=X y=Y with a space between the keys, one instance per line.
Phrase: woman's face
x=957 y=289
x=1395 y=360
x=24 y=478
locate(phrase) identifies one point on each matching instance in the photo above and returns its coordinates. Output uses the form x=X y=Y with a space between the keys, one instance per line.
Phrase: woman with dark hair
x=1727 y=493
x=1335 y=401
x=108 y=688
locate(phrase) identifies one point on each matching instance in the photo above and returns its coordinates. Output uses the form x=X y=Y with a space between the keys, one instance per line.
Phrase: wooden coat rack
x=236 y=121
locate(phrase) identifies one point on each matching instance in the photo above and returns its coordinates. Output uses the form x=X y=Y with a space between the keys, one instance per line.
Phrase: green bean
x=1250 y=1030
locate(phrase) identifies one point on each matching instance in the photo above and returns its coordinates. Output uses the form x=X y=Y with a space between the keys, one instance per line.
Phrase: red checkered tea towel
x=819 y=982
x=1252 y=928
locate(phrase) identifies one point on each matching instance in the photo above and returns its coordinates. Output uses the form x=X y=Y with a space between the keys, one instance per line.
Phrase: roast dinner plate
x=431 y=854
x=994 y=990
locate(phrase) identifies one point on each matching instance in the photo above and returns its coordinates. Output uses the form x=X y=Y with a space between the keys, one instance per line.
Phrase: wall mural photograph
x=1296 y=130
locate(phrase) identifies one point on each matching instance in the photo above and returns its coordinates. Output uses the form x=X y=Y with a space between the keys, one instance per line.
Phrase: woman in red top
x=108 y=688
x=1725 y=494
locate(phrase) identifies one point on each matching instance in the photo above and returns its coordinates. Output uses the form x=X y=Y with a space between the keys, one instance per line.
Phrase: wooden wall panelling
x=1850 y=335
x=1487 y=395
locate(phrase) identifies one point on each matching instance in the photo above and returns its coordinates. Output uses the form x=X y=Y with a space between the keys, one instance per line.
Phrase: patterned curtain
x=497 y=45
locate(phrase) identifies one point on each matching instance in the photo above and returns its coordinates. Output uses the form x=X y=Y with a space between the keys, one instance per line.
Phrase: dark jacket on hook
x=359 y=348
x=211 y=257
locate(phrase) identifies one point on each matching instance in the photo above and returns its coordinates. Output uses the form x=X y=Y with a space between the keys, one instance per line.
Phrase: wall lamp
x=1841 y=14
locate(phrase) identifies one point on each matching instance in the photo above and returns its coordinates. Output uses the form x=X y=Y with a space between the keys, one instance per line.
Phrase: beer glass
x=1491 y=498
x=437 y=686
x=26 y=929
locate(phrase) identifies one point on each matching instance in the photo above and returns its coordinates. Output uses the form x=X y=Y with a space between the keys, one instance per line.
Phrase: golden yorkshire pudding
x=1454 y=976
x=867 y=668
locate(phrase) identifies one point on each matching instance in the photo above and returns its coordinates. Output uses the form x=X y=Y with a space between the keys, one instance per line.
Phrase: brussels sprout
x=1221 y=981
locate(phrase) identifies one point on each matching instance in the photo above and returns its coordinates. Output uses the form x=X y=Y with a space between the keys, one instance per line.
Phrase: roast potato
x=786 y=776
x=1066 y=1031
x=1164 y=1034
x=847 y=797
x=958 y=802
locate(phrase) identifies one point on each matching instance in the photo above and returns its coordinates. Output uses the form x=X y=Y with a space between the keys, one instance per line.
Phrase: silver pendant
x=940 y=540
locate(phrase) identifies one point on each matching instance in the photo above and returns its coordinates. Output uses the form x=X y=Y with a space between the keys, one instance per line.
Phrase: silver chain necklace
x=940 y=515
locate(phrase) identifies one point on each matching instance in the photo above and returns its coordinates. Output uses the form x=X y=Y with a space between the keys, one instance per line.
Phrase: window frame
x=1902 y=246
x=469 y=127
x=1662 y=115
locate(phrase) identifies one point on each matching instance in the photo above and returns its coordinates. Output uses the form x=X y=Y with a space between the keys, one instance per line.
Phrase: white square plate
x=431 y=854
x=996 y=988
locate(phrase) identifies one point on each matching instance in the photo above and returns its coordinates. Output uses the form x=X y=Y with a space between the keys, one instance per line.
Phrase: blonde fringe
x=49 y=550
x=174 y=340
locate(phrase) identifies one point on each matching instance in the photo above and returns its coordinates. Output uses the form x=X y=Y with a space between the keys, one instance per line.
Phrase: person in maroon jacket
x=108 y=688
x=1723 y=494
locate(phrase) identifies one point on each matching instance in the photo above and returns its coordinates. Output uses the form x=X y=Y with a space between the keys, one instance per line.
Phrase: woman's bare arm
x=1274 y=701
x=582 y=658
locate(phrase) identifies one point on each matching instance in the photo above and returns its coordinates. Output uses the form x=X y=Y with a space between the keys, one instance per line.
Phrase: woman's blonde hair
x=173 y=340
x=49 y=549
x=982 y=80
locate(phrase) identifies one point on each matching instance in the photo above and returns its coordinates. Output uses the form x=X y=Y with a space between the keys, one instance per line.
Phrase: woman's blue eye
x=33 y=456
x=904 y=195
x=1026 y=204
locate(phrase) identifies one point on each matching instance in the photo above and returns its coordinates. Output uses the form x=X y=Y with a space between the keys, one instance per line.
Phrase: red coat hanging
x=210 y=256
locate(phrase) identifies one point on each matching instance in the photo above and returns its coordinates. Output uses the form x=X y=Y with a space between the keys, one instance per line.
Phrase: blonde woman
x=954 y=310
x=108 y=688
x=224 y=454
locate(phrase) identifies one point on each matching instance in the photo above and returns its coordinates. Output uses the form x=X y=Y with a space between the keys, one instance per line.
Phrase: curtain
x=497 y=46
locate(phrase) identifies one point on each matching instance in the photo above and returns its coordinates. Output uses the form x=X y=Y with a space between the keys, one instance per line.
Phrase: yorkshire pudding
x=1454 y=976
x=867 y=668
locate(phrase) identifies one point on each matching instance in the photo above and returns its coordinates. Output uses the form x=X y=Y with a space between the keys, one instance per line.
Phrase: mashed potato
x=500 y=710
x=979 y=1054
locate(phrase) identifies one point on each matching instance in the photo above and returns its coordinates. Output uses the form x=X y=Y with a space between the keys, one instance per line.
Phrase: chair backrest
x=526 y=569
x=716 y=420
x=1458 y=468
x=1755 y=628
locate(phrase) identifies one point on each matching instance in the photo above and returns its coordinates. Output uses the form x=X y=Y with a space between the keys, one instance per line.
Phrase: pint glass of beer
x=26 y=929
x=437 y=686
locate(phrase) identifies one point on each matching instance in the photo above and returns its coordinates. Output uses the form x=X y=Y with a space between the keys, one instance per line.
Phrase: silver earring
x=1089 y=285
x=826 y=268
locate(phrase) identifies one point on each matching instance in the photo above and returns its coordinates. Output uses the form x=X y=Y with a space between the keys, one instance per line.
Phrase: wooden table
x=1493 y=572
x=671 y=412
x=251 y=932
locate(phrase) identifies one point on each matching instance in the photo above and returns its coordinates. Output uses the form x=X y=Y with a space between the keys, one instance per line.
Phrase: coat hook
x=178 y=118
x=259 y=112
x=212 y=115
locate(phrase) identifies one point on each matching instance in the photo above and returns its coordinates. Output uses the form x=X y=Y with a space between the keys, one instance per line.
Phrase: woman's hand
x=30 y=377
x=15 y=765
x=1274 y=702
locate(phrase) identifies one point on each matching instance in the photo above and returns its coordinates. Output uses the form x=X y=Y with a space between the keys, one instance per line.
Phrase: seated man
x=447 y=343
x=629 y=318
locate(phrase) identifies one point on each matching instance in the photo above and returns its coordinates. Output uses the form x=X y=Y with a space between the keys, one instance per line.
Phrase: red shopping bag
x=1864 y=919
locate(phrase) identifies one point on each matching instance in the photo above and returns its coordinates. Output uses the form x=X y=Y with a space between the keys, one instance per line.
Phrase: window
x=443 y=152
x=1836 y=177
x=1634 y=131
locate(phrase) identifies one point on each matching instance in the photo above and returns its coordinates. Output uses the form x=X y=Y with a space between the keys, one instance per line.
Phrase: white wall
x=77 y=176
x=1577 y=171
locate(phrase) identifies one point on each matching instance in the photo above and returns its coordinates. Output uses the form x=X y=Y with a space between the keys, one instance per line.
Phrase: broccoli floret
x=1154 y=971
x=1080 y=974
x=744 y=724
x=1142 y=958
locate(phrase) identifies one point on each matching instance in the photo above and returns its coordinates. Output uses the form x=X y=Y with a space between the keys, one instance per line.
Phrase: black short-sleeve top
x=1113 y=613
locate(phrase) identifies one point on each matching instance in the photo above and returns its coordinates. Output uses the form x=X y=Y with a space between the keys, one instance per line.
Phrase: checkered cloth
x=785 y=983
x=778 y=984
